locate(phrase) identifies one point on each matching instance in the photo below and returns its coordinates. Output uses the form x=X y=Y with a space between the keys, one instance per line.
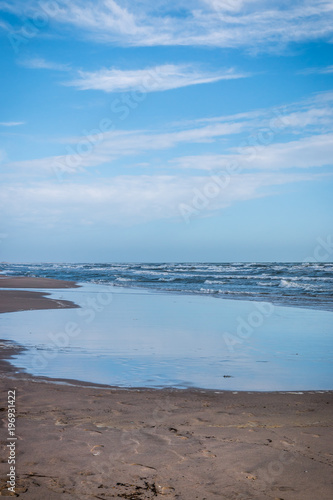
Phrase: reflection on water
x=141 y=339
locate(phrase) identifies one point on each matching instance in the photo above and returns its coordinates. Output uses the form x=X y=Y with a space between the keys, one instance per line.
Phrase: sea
x=166 y=325
x=307 y=285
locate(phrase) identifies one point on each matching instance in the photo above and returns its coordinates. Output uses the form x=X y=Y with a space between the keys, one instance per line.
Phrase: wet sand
x=99 y=442
x=22 y=300
x=84 y=442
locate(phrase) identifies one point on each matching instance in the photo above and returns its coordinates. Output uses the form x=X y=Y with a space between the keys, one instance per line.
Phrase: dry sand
x=97 y=442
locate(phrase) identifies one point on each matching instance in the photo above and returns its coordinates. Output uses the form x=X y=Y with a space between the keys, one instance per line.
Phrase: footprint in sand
x=251 y=477
x=96 y=450
x=285 y=443
x=282 y=488
x=164 y=490
x=208 y=454
x=61 y=421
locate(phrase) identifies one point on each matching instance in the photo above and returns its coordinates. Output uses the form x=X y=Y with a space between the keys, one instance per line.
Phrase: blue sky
x=196 y=130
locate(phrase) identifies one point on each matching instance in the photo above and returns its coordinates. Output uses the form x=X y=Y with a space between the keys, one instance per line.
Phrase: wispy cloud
x=315 y=113
x=259 y=23
x=110 y=198
x=118 y=144
x=326 y=70
x=11 y=124
x=315 y=151
x=4 y=26
x=130 y=199
x=313 y=117
x=228 y=5
x=155 y=79
x=40 y=63
x=250 y=24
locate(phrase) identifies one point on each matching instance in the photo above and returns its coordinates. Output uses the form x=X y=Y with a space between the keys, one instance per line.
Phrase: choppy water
x=293 y=284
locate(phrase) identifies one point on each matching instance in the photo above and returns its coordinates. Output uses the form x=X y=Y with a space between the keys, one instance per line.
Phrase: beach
x=166 y=250
x=18 y=300
x=80 y=440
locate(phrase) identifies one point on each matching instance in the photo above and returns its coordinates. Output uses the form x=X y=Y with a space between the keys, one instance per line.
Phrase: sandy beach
x=77 y=441
x=22 y=300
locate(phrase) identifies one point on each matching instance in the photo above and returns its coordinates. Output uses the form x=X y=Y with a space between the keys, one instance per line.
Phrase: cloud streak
x=327 y=70
x=155 y=79
x=258 y=169
x=257 y=23
x=40 y=63
x=118 y=144
x=313 y=117
x=130 y=199
x=11 y=124
x=315 y=151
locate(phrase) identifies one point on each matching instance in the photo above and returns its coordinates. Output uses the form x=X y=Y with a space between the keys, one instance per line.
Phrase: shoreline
x=276 y=302
x=11 y=284
x=10 y=371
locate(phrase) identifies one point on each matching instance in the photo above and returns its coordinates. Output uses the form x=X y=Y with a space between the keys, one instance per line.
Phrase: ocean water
x=307 y=285
x=130 y=337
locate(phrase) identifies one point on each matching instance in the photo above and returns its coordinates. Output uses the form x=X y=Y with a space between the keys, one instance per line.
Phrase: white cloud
x=11 y=124
x=106 y=13
x=40 y=63
x=131 y=199
x=313 y=117
x=257 y=23
x=158 y=78
x=228 y=5
x=326 y=70
x=261 y=171
x=94 y=150
x=315 y=151
x=5 y=26
x=251 y=24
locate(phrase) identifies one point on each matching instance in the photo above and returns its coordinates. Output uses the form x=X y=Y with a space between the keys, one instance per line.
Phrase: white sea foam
x=275 y=280
x=216 y=282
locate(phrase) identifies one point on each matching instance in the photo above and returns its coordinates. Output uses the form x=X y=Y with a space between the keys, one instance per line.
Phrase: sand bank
x=18 y=300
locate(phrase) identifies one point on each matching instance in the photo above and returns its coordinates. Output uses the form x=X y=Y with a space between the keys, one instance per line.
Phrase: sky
x=150 y=131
